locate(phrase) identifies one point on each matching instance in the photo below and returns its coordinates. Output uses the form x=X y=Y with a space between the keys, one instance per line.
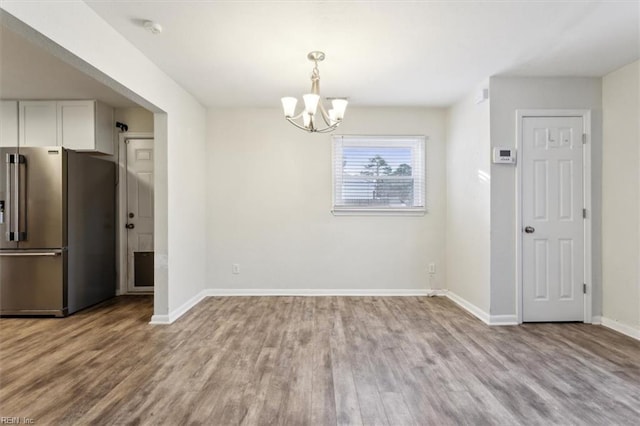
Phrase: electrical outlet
x=235 y=268
x=432 y=268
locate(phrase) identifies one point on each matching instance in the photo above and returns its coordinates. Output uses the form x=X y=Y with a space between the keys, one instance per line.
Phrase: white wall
x=138 y=119
x=509 y=94
x=269 y=190
x=468 y=201
x=621 y=198
x=72 y=31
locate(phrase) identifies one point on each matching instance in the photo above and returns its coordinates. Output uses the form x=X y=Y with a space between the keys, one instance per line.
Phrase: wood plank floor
x=313 y=361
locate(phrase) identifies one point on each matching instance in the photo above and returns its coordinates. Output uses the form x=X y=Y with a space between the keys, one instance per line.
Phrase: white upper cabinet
x=38 y=123
x=8 y=123
x=79 y=125
x=76 y=125
x=85 y=126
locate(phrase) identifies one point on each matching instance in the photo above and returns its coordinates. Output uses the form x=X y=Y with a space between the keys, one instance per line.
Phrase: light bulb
x=306 y=119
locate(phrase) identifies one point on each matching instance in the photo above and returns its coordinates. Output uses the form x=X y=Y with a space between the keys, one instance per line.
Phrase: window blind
x=381 y=173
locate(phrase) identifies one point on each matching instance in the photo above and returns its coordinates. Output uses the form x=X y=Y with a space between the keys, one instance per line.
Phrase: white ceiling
x=251 y=53
x=379 y=53
x=28 y=71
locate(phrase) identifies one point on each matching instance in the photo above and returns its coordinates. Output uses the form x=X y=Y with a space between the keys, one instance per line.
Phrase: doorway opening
x=136 y=212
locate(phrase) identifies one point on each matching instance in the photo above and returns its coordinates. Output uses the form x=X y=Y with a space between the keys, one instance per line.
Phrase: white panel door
x=139 y=207
x=552 y=220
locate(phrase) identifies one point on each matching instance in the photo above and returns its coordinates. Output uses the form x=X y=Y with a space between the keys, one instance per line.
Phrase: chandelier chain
x=315 y=73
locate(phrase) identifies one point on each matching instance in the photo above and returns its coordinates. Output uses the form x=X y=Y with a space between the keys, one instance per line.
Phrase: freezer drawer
x=33 y=283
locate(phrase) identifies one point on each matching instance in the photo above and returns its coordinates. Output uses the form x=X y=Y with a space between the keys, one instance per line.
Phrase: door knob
x=529 y=229
x=130 y=226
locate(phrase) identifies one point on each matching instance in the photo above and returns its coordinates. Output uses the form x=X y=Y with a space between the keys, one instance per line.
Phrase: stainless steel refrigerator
x=57 y=231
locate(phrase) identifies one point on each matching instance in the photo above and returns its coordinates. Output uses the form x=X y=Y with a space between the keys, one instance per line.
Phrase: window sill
x=342 y=211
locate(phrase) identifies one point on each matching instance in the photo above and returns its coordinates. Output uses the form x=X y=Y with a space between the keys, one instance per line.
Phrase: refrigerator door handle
x=11 y=216
x=21 y=216
x=29 y=253
x=16 y=214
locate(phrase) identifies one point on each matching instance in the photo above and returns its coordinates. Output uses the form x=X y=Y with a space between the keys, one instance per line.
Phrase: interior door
x=552 y=219
x=139 y=220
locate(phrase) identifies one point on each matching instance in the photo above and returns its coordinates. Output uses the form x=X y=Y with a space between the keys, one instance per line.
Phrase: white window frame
x=415 y=142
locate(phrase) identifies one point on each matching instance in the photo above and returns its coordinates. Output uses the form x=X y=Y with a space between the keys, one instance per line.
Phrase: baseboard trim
x=503 y=320
x=626 y=329
x=177 y=313
x=213 y=292
x=159 y=320
x=596 y=320
x=469 y=307
x=479 y=313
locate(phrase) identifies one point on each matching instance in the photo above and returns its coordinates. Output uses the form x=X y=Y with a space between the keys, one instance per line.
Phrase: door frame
x=587 y=223
x=123 y=288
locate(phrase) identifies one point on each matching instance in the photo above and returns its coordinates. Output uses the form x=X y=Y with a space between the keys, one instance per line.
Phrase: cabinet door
x=9 y=123
x=38 y=123
x=104 y=129
x=76 y=125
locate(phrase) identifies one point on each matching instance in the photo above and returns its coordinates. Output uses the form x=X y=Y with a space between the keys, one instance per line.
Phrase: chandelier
x=312 y=104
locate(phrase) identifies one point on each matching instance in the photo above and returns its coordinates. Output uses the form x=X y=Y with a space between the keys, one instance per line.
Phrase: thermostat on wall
x=503 y=155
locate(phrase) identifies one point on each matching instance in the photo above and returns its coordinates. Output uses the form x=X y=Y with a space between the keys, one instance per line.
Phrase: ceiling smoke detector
x=153 y=27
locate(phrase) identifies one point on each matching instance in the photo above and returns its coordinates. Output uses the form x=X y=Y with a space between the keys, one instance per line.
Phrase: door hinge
x=584 y=288
x=584 y=138
x=584 y=213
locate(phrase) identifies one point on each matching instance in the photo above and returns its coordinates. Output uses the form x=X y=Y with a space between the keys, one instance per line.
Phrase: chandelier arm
x=324 y=113
x=330 y=128
x=295 y=117
x=290 y=120
x=314 y=130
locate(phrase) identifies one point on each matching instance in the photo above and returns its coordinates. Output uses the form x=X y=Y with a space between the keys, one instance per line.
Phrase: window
x=378 y=174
